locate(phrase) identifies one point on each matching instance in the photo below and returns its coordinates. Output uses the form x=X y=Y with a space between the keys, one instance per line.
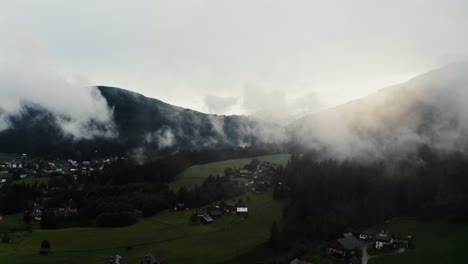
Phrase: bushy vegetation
x=328 y=197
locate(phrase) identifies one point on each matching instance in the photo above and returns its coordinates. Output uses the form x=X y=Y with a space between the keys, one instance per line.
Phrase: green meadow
x=436 y=243
x=196 y=174
x=169 y=235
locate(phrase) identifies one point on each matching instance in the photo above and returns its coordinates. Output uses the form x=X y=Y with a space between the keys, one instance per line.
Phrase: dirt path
x=365 y=256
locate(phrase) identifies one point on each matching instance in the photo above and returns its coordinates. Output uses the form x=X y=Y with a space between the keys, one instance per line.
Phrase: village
x=256 y=178
x=52 y=178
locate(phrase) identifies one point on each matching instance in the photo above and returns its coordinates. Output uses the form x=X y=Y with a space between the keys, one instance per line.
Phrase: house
x=179 y=206
x=230 y=207
x=343 y=247
x=367 y=234
x=205 y=219
x=150 y=259
x=115 y=259
x=245 y=173
x=36 y=213
x=383 y=239
x=242 y=210
x=215 y=212
x=16 y=165
x=44 y=250
x=299 y=261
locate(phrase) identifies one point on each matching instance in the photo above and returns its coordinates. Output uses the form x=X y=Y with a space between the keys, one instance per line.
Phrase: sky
x=271 y=58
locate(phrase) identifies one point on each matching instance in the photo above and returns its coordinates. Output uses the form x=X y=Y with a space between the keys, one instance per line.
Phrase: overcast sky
x=236 y=56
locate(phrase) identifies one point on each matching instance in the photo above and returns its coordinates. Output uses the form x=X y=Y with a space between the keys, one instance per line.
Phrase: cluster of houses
x=349 y=245
x=261 y=177
x=24 y=167
x=146 y=259
x=209 y=214
x=68 y=210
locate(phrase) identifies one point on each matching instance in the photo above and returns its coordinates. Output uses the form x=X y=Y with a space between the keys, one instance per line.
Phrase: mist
x=79 y=109
x=396 y=121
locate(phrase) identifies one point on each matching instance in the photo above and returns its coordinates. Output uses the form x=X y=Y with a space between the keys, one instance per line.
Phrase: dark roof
x=384 y=237
x=230 y=203
x=369 y=232
x=298 y=261
x=349 y=242
x=207 y=218
x=216 y=212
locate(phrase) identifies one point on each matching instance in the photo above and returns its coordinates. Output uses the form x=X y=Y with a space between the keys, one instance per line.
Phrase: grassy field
x=12 y=223
x=33 y=180
x=7 y=157
x=196 y=174
x=169 y=235
x=435 y=243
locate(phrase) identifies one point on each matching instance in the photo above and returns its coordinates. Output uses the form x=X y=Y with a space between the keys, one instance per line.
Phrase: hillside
x=393 y=122
x=144 y=127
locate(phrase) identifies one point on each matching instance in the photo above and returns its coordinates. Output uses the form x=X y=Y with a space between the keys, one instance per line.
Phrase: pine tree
x=274 y=236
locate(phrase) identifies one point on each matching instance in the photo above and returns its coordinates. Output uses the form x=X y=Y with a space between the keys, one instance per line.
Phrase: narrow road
x=365 y=256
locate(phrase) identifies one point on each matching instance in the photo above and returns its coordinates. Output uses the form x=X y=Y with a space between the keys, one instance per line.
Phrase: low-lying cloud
x=79 y=110
x=219 y=104
x=395 y=122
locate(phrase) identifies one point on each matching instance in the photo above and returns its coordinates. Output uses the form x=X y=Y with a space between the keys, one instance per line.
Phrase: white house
x=383 y=239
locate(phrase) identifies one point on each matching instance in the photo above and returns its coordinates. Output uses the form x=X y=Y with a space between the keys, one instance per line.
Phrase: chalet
x=245 y=173
x=179 y=206
x=299 y=261
x=367 y=234
x=230 y=207
x=215 y=212
x=16 y=165
x=36 y=213
x=242 y=210
x=344 y=247
x=150 y=259
x=205 y=219
x=383 y=239
x=44 y=250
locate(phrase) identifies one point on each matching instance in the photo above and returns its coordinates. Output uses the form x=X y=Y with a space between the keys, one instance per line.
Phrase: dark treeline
x=165 y=169
x=328 y=197
x=213 y=188
x=123 y=188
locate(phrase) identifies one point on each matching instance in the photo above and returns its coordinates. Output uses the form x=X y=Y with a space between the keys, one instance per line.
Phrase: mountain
x=396 y=121
x=144 y=127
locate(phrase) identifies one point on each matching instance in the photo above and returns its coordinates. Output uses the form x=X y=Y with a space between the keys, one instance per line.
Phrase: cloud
x=218 y=104
x=276 y=106
x=79 y=110
x=163 y=137
x=396 y=121
x=30 y=76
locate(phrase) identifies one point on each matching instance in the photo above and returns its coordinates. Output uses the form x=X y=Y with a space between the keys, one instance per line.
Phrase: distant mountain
x=431 y=109
x=144 y=126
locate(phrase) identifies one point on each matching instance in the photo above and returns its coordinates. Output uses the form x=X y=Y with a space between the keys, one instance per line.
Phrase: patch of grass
x=7 y=157
x=169 y=235
x=196 y=174
x=436 y=242
x=12 y=223
x=32 y=180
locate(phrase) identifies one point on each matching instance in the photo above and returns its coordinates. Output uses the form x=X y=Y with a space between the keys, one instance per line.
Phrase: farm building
x=344 y=246
x=383 y=239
